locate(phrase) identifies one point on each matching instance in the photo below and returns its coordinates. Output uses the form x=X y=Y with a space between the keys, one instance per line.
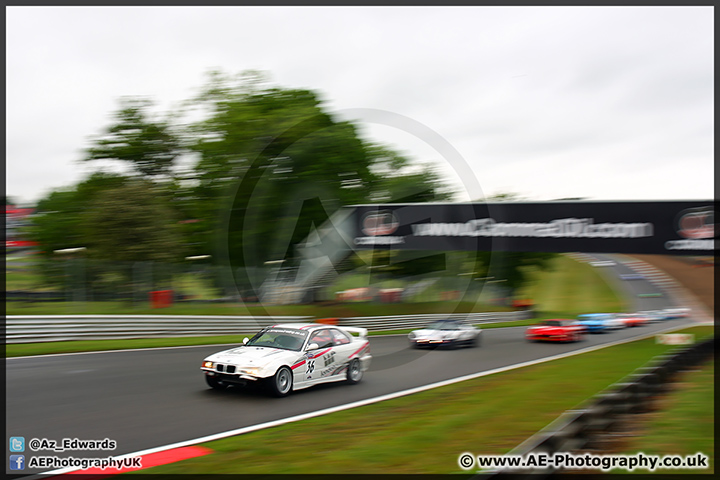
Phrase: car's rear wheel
x=354 y=372
x=215 y=383
x=281 y=383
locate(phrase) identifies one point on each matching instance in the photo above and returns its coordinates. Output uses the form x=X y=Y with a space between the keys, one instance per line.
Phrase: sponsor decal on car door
x=318 y=360
x=344 y=348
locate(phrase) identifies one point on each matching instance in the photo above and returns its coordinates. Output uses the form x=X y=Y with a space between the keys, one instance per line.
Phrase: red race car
x=632 y=319
x=555 y=331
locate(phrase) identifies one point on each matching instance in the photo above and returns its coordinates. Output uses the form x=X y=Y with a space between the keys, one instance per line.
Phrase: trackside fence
x=54 y=328
x=32 y=329
x=584 y=429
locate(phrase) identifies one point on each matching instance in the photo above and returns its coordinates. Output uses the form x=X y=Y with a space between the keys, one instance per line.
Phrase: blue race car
x=593 y=322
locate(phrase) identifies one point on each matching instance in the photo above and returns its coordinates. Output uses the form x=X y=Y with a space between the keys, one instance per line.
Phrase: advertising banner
x=659 y=227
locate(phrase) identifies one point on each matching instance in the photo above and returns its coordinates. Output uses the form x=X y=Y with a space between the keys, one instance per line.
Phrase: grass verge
x=571 y=288
x=426 y=432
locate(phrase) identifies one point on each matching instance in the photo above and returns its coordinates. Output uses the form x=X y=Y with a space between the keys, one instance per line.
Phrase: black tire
x=354 y=372
x=281 y=383
x=214 y=383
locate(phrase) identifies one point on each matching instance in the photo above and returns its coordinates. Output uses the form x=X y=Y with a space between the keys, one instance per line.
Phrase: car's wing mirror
x=312 y=346
x=245 y=340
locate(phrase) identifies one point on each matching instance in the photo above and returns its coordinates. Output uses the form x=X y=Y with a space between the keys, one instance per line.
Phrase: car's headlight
x=411 y=335
x=207 y=364
x=250 y=370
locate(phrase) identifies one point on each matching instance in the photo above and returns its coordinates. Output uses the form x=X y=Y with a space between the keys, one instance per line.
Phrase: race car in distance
x=450 y=333
x=556 y=331
x=632 y=319
x=292 y=356
x=678 y=312
x=653 y=316
x=599 y=322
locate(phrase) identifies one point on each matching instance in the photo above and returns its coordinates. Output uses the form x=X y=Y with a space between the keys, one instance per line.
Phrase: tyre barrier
x=576 y=430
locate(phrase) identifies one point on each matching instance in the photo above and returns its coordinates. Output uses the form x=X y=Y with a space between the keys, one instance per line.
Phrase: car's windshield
x=285 y=338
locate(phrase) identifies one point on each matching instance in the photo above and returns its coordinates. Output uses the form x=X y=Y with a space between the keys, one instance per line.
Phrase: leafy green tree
x=400 y=180
x=270 y=163
x=58 y=222
x=150 y=146
x=130 y=223
x=267 y=155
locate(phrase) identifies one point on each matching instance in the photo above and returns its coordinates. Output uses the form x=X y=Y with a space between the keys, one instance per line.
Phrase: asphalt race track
x=149 y=398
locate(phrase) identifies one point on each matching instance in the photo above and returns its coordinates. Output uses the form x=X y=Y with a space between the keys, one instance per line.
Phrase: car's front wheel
x=281 y=383
x=215 y=383
x=354 y=372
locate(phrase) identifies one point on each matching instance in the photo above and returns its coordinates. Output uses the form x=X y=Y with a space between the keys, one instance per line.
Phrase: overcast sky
x=606 y=103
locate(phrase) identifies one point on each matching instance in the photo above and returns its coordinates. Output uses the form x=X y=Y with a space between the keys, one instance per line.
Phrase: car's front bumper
x=237 y=378
x=431 y=342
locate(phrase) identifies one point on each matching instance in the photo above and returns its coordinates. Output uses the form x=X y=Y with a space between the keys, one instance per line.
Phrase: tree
x=130 y=223
x=400 y=180
x=58 y=221
x=268 y=155
x=148 y=145
x=116 y=220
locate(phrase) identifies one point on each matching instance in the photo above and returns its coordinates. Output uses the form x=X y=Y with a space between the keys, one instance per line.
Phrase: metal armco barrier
x=53 y=328
x=580 y=429
x=32 y=329
x=400 y=322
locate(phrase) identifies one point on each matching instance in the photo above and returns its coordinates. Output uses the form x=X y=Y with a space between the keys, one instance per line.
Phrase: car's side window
x=322 y=338
x=339 y=337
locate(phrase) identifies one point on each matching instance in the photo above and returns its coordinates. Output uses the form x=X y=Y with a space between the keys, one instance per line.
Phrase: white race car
x=451 y=333
x=679 y=312
x=292 y=356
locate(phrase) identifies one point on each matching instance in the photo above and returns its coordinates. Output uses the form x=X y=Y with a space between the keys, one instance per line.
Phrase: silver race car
x=292 y=356
x=451 y=333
